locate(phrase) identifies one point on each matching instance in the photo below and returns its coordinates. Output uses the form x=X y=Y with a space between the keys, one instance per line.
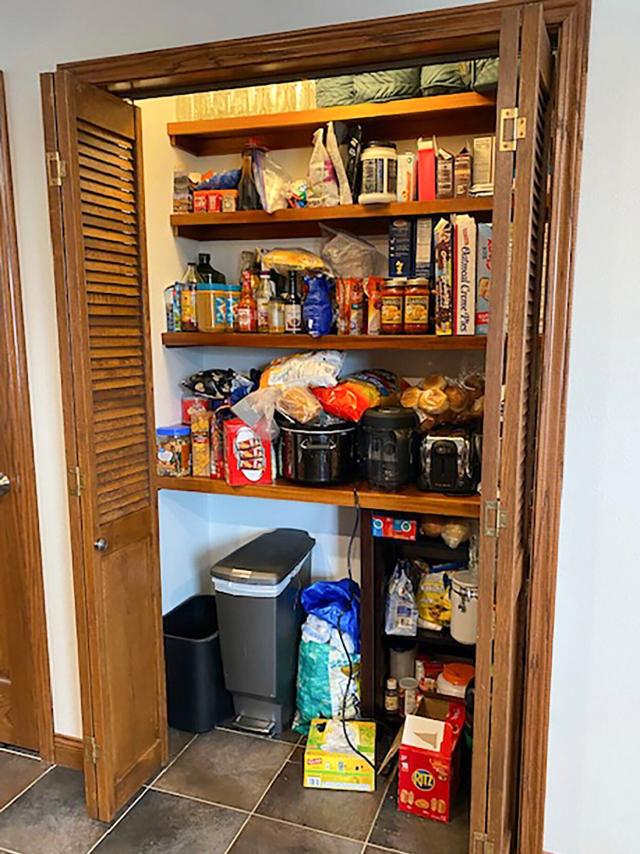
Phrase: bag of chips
x=351 y=398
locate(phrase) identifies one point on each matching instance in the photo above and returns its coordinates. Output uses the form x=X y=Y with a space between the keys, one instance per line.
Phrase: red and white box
x=464 y=274
x=429 y=759
x=248 y=457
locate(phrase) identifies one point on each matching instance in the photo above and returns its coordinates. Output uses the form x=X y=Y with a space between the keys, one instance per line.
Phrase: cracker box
x=429 y=759
x=393 y=527
x=443 y=252
x=407 y=176
x=483 y=277
x=401 y=247
x=464 y=275
x=444 y=174
x=483 y=165
x=423 y=266
x=329 y=761
x=462 y=174
x=248 y=458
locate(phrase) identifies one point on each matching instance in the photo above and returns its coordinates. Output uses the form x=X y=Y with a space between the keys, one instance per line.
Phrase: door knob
x=5 y=484
x=101 y=544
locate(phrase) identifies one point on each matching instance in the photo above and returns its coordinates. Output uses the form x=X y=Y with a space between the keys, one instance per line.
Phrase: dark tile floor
x=222 y=792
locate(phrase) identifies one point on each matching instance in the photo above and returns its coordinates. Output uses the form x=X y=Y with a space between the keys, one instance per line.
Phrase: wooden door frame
x=24 y=464
x=401 y=40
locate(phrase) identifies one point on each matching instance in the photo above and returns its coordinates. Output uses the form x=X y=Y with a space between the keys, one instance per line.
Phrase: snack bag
x=317 y=313
x=304 y=369
x=351 y=398
x=401 y=613
x=334 y=153
x=322 y=182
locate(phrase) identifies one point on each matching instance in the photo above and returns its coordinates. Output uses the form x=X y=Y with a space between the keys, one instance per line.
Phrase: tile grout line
x=198 y=800
x=263 y=796
x=377 y=814
x=26 y=788
x=311 y=829
x=141 y=795
x=9 y=851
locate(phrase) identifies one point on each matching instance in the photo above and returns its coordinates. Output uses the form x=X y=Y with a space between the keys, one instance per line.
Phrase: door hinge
x=56 y=168
x=482 y=844
x=512 y=128
x=91 y=750
x=495 y=519
x=76 y=481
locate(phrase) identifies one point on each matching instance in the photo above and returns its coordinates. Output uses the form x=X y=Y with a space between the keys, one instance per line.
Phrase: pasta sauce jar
x=392 y=306
x=416 y=306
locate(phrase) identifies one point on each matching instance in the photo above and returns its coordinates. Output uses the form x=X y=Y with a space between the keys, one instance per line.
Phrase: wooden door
x=25 y=698
x=520 y=215
x=99 y=244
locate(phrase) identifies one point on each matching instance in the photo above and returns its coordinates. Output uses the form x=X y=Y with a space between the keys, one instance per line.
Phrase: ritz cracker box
x=329 y=762
x=429 y=759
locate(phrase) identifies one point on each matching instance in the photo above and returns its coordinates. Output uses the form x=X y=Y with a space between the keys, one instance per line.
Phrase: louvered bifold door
x=99 y=139
x=523 y=142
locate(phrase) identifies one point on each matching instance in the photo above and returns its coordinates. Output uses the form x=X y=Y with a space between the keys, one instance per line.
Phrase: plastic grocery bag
x=337 y=602
x=349 y=256
x=322 y=182
x=401 y=613
x=271 y=180
x=336 y=158
x=323 y=674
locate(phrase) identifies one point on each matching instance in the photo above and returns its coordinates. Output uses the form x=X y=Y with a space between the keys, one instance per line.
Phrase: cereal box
x=423 y=266
x=201 y=443
x=407 y=176
x=483 y=277
x=248 y=458
x=401 y=247
x=444 y=174
x=443 y=249
x=329 y=761
x=464 y=275
x=462 y=173
x=429 y=759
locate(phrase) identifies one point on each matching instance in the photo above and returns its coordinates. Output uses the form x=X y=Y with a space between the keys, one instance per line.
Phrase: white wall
x=592 y=780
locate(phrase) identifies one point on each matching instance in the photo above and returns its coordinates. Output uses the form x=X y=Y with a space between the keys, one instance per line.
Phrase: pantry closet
x=113 y=259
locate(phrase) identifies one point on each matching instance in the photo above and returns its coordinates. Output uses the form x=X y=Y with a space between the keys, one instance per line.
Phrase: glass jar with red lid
x=416 y=306
x=392 y=306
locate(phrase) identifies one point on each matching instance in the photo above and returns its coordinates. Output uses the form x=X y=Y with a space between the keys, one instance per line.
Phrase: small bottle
x=264 y=292
x=208 y=273
x=292 y=306
x=276 y=315
x=191 y=278
x=391 y=696
x=247 y=315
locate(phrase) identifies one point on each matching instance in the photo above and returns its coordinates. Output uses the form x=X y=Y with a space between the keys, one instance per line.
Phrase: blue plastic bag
x=337 y=602
x=317 y=312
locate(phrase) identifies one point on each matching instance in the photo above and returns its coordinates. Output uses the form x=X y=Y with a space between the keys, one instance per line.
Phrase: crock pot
x=317 y=454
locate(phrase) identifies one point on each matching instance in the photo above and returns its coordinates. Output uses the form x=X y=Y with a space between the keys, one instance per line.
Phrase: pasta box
x=429 y=758
x=329 y=761
x=248 y=457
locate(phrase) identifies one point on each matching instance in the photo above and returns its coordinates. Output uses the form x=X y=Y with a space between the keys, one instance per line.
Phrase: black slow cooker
x=317 y=454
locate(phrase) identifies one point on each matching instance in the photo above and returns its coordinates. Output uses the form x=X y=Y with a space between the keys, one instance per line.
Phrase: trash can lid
x=267 y=559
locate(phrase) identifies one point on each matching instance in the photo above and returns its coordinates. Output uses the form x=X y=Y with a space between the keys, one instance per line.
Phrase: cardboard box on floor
x=329 y=762
x=428 y=747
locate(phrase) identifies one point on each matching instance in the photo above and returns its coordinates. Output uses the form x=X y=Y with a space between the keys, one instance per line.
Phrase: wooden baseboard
x=69 y=751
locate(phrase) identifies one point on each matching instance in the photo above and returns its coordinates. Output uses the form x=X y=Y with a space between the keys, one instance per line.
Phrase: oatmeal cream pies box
x=464 y=275
x=429 y=759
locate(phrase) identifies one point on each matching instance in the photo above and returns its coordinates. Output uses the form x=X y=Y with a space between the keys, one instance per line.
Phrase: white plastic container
x=379 y=174
x=464 y=606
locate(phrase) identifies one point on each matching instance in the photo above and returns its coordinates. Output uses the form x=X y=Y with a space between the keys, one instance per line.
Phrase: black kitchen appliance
x=450 y=461
x=388 y=446
x=317 y=454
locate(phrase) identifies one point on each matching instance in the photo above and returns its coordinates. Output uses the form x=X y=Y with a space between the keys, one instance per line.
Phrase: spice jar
x=391 y=696
x=409 y=692
x=416 y=307
x=392 y=306
x=173 y=446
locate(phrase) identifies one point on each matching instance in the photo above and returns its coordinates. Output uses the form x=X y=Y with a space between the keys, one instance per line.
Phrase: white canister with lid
x=379 y=174
x=464 y=606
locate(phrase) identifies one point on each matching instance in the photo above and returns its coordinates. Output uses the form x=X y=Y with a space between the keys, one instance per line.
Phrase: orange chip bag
x=351 y=398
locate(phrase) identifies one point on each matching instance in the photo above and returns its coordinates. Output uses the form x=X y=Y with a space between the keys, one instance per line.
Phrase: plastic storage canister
x=392 y=306
x=208 y=299
x=379 y=173
x=409 y=693
x=464 y=606
x=402 y=661
x=173 y=446
x=416 y=307
x=454 y=679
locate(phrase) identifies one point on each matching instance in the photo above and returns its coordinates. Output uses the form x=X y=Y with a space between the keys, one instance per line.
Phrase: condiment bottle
x=391 y=696
x=208 y=273
x=188 y=317
x=292 y=306
x=276 y=315
x=356 y=308
x=248 y=197
x=392 y=306
x=416 y=307
x=264 y=292
x=247 y=315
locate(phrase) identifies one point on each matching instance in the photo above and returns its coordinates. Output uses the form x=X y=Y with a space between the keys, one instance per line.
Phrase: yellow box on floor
x=329 y=761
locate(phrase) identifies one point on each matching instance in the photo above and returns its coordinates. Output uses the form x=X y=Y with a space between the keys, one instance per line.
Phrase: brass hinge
x=495 y=518
x=91 y=750
x=482 y=844
x=76 y=481
x=517 y=126
x=56 y=168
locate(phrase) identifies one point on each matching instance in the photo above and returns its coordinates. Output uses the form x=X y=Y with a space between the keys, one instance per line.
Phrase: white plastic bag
x=336 y=158
x=401 y=613
x=322 y=182
x=271 y=181
x=348 y=255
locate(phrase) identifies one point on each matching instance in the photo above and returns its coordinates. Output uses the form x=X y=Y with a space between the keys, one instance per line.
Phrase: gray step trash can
x=259 y=616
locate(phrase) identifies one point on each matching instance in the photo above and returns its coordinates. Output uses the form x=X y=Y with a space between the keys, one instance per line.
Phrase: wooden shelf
x=409 y=500
x=305 y=222
x=447 y=115
x=268 y=341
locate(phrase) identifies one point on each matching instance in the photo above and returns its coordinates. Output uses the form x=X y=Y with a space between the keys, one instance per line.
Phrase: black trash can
x=196 y=695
